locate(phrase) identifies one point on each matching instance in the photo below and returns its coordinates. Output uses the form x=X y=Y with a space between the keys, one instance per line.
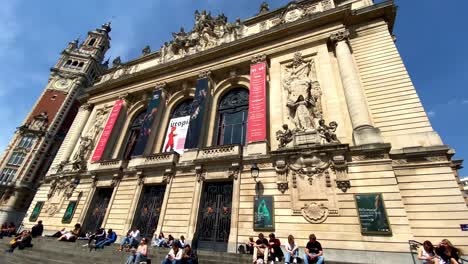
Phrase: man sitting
x=260 y=249
x=21 y=241
x=313 y=251
x=99 y=235
x=111 y=238
x=132 y=239
x=37 y=229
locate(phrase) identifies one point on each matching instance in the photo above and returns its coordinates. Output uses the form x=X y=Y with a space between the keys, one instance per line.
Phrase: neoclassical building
x=298 y=120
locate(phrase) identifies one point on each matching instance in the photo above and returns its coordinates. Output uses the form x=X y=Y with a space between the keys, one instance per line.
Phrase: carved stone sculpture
x=284 y=137
x=302 y=102
x=79 y=159
x=116 y=62
x=264 y=8
x=146 y=50
x=328 y=132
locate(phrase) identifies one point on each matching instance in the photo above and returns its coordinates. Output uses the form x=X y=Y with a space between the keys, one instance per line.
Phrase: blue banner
x=197 y=114
x=150 y=115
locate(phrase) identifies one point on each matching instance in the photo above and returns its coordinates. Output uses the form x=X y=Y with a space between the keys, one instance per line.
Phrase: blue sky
x=431 y=38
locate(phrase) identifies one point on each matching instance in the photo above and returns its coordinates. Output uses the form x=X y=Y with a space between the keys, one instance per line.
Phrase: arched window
x=92 y=41
x=132 y=137
x=176 y=132
x=232 y=117
x=68 y=63
x=75 y=63
x=81 y=64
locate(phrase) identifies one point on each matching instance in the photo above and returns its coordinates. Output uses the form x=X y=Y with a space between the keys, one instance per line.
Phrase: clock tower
x=37 y=140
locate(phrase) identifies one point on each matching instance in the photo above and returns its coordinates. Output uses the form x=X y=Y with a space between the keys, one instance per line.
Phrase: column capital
x=258 y=58
x=339 y=36
x=86 y=107
x=160 y=85
x=204 y=74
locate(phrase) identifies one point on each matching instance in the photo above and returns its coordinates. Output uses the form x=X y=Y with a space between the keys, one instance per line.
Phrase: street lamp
x=254 y=171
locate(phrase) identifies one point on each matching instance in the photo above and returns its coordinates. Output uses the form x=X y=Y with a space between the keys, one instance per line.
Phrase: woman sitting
x=141 y=253
x=169 y=242
x=174 y=256
x=71 y=236
x=447 y=252
x=426 y=253
x=292 y=250
x=159 y=240
x=21 y=241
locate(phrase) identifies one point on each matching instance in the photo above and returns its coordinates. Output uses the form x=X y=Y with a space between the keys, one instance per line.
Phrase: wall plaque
x=264 y=213
x=36 y=211
x=68 y=216
x=372 y=214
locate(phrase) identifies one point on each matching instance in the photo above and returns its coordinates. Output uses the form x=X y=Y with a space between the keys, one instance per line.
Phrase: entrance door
x=97 y=209
x=148 y=210
x=214 y=217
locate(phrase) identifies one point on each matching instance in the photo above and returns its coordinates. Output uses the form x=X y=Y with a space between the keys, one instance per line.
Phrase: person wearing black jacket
x=21 y=241
x=261 y=249
x=37 y=229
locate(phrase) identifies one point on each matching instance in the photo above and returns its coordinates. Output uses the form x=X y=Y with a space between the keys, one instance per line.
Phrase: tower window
x=26 y=142
x=16 y=158
x=92 y=41
x=7 y=175
x=81 y=64
x=75 y=63
x=53 y=97
x=68 y=63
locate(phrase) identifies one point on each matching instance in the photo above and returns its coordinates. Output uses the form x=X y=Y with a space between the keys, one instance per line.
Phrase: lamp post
x=254 y=171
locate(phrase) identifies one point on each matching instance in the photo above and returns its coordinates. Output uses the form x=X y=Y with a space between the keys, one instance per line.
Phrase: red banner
x=101 y=146
x=256 y=130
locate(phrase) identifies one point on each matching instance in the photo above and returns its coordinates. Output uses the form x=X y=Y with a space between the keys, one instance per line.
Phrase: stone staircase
x=50 y=251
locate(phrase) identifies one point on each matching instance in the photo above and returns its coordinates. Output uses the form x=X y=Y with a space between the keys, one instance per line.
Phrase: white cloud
x=431 y=113
x=465 y=101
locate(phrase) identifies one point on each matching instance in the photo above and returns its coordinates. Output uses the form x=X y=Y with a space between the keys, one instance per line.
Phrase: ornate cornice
x=258 y=58
x=339 y=36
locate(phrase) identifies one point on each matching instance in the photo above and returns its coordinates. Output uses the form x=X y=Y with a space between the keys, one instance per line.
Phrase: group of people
x=22 y=239
x=265 y=251
x=161 y=241
x=443 y=253
x=7 y=230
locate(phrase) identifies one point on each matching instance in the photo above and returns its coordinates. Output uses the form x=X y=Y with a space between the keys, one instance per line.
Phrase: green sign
x=68 y=216
x=372 y=214
x=36 y=211
x=264 y=213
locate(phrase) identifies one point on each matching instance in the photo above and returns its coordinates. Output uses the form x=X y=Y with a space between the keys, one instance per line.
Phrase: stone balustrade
x=217 y=152
x=106 y=165
x=154 y=160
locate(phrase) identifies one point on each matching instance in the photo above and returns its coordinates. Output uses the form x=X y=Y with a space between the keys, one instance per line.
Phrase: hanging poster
x=257 y=130
x=102 y=143
x=264 y=213
x=197 y=114
x=36 y=211
x=68 y=216
x=372 y=214
x=150 y=115
x=176 y=134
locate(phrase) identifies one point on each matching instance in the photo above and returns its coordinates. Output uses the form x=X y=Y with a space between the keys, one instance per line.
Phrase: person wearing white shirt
x=174 y=256
x=132 y=238
x=292 y=250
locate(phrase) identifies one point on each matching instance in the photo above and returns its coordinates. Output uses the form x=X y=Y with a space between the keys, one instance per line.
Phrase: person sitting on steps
x=111 y=238
x=188 y=257
x=132 y=239
x=99 y=235
x=260 y=249
x=292 y=250
x=159 y=240
x=37 y=229
x=21 y=241
x=140 y=254
x=174 y=256
x=313 y=251
x=274 y=248
x=71 y=236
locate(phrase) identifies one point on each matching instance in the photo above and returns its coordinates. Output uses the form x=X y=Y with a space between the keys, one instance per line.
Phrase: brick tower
x=36 y=141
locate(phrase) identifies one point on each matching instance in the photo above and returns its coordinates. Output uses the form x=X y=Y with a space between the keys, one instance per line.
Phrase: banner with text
x=148 y=121
x=256 y=130
x=197 y=114
x=102 y=143
x=176 y=134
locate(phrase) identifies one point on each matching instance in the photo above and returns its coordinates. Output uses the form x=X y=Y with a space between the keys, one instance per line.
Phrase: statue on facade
x=302 y=99
x=117 y=62
x=327 y=133
x=284 y=137
x=146 y=50
x=97 y=125
x=264 y=8
x=81 y=154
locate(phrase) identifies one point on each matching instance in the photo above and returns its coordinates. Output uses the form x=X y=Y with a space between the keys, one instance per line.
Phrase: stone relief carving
x=80 y=157
x=311 y=175
x=38 y=125
x=61 y=188
x=303 y=98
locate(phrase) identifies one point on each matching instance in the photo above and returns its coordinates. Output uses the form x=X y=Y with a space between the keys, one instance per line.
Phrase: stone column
x=363 y=130
x=82 y=119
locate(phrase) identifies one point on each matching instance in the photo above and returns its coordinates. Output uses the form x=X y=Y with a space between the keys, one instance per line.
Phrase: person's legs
x=131 y=259
x=306 y=258
x=139 y=258
x=265 y=255
x=319 y=260
x=287 y=258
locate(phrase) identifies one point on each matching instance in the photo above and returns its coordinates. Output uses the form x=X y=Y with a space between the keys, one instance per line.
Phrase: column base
x=367 y=135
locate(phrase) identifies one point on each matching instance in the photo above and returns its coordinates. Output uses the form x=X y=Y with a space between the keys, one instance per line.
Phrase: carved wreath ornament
x=315 y=213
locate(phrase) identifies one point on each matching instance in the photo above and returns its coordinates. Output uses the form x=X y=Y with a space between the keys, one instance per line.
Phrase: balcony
x=154 y=160
x=216 y=153
x=106 y=166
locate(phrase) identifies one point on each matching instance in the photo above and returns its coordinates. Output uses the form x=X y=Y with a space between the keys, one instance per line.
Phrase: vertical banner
x=256 y=130
x=197 y=114
x=176 y=134
x=150 y=115
x=102 y=143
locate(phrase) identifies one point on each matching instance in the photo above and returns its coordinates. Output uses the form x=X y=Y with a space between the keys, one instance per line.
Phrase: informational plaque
x=464 y=227
x=256 y=130
x=36 y=211
x=264 y=213
x=68 y=216
x=372 y=214
x=101 y=146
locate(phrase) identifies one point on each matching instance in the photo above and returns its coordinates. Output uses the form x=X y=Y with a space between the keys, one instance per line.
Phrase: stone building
x=298 y=120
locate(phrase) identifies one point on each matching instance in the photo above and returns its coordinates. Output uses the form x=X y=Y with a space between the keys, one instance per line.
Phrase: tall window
x=183 y=109
x=132 y=138
x=16 y=158
x=26 y=142
x=232 y=117
x=7 y=175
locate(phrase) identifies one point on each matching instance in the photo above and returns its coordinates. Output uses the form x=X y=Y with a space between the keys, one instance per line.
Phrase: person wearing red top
x=274 y=247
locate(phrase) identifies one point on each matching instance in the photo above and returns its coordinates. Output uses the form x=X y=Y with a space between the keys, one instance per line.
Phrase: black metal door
x=148 y=210
x=214 y=218
x=97 y=209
